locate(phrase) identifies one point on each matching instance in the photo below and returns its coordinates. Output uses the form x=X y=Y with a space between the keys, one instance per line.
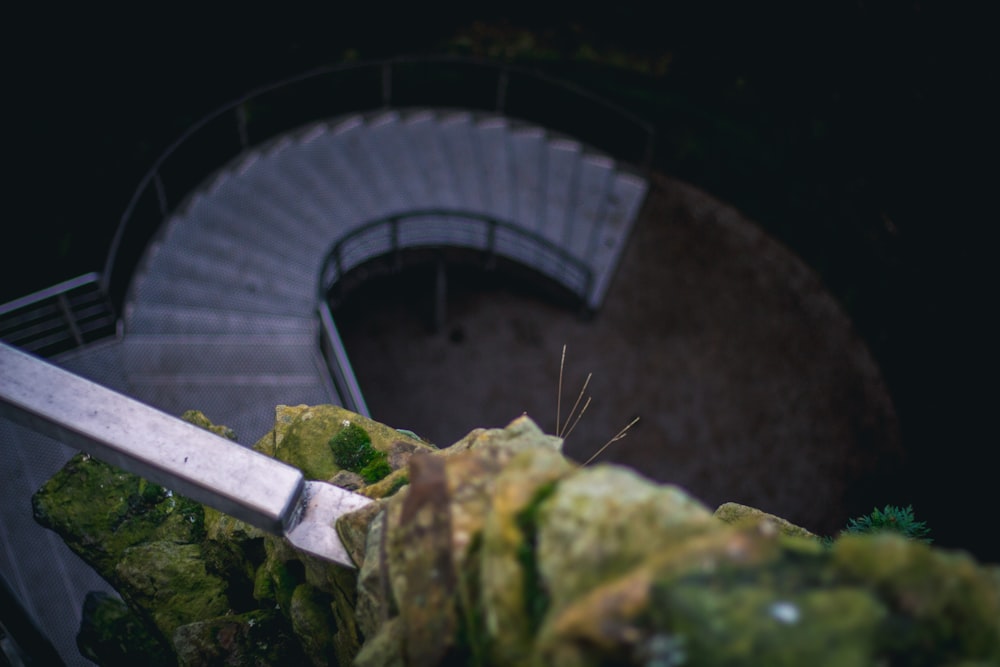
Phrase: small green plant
x=890 y=519
x=352 y=450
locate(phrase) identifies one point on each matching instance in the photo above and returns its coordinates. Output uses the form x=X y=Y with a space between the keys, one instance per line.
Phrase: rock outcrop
x=500 y=551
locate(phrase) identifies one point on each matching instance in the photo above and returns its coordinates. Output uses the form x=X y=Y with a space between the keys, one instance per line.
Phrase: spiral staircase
x=227 y=310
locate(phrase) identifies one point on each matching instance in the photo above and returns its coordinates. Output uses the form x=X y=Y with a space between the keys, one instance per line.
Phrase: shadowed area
x=750 y=381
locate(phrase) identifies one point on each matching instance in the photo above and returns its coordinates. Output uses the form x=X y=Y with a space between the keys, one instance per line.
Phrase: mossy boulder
x=101 y=511
x=112 y=634
x=202 y=586
x=736 y=513
x=312 y=438
x=499 y=551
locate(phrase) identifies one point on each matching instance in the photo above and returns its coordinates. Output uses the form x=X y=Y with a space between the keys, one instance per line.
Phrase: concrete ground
x=749 y=381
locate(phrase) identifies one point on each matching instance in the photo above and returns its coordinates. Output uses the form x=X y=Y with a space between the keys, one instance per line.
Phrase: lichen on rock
x=735 y=513
x=500 y=551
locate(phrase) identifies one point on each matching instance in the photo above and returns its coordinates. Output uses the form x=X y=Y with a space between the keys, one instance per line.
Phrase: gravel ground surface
x=750 y=383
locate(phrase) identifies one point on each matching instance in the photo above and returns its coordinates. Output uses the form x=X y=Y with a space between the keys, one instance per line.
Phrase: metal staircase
x=225 y=310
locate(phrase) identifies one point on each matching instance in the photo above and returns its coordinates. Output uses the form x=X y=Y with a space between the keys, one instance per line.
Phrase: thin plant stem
x=585 y=404
x=621 y=434
x=575 y=405
x=562 y=363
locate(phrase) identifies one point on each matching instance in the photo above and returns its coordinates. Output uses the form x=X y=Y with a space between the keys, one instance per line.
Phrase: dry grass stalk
x=563 y=430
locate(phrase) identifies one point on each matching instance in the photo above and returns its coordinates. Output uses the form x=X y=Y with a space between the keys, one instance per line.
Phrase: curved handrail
x=384 y=69
x=567 y=266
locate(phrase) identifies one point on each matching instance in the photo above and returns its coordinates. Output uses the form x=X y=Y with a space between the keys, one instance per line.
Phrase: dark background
x=850 y=131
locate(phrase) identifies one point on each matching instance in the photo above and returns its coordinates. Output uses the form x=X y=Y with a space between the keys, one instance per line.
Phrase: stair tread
x=153 y=318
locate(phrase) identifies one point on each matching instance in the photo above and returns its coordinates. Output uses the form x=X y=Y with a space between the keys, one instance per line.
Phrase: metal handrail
x=567 y=264
x=341 y=371
x=58 y=318
x=384 y=69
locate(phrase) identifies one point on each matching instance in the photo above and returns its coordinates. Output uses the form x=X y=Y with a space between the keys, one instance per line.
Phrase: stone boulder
x=500 y=551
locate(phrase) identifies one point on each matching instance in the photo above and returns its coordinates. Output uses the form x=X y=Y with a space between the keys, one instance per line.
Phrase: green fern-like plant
x=890 y=519
x=353 y=450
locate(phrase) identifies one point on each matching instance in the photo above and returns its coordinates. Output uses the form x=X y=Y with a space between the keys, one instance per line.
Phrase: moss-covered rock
x=257 y=638
x=302 y=437
x=101 y=511
x=113 y=635
x=499 y=551
x=736 y=513
x=199 y=419
x=171 y=581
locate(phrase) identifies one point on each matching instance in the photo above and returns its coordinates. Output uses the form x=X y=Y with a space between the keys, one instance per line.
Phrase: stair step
x=458 y=140
x=233 y=356
x=177 y=373
x=427 y=158
x=592 y=193
x=232 y=271
x=153 y=288
x=627 y=194
x=226 y=218
x=212 y=247
x=496 y=167
x=152 y=318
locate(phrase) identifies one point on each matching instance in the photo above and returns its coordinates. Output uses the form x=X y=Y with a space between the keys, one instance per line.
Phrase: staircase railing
x=339 y=365
x=59 y=318
x=339 y=89
x=389 y=236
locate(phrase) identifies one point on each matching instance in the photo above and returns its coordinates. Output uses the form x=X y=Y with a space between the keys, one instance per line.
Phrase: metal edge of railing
x=344 y=379
x=383 y=68
x=49 y=292
x=415 y=216
x=66 y=327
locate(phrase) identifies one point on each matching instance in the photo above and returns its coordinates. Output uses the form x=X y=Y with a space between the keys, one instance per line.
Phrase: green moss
x=536 y=597
x=171 y=580
x=376 y=470
x=352 y=447
x=111 y=634
x=472 y=639
x=258 y=637
x=352 y=450
x=397 y=484
x=278 y=581
x=313 y=624
x=100 y=511
x=723 y=624
x=199 y=419
x=943 y=606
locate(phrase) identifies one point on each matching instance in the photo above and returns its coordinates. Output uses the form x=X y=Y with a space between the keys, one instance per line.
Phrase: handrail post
x=344 y=379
